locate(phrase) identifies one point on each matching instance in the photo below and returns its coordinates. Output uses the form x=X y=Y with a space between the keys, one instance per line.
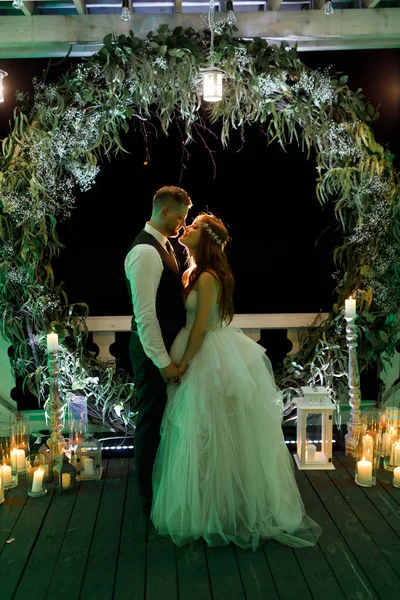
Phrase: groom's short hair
x=172 y=196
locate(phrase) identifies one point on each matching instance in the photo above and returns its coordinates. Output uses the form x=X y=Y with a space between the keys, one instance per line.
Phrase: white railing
x=105 y=328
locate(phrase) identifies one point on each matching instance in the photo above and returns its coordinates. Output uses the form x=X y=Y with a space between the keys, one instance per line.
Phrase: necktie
x=170 y=250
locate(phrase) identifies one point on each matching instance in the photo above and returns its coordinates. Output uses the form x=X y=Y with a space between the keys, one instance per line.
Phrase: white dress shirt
x=143 y=269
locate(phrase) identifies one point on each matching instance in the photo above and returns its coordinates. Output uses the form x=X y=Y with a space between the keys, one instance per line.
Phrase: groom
x=153 y=275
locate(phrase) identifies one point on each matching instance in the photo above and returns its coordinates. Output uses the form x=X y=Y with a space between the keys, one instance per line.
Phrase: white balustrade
x=105 y=328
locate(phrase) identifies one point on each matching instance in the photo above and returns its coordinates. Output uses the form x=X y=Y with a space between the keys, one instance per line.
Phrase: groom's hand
x=171 y=374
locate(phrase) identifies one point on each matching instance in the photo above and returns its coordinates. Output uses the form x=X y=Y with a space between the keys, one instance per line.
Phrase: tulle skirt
x=223 y=471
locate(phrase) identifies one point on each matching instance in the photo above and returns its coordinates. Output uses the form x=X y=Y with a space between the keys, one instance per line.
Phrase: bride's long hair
x=211 y=257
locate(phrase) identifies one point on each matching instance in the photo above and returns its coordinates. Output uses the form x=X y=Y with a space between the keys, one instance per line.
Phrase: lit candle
x=46 y=469
x=37 y=482
x=65 y=480
x=88 y=466
x=395 y=455
x=364 y=471
x=368 y=445
x=350 y=307
x=1 y=485
x=396 y=476
x=52 y=342
x=18 y=460
x=385 y=443
x=7 y=475
x=311 y=453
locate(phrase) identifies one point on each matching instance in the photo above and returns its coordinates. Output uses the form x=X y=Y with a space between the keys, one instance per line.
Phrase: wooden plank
x=14 y=556
x=317 y=571
x=379 y=496
x=380 y=575
x=256 y=575
x=224 y=574
x=288 y=577
x=161 y=574
x=349 y=575
x=192 y=572
x=131 y=565
x=385 y=480
x=378 y=529
x=47 y=548
x=10 y=511
x=70 y=568
x=101 y=565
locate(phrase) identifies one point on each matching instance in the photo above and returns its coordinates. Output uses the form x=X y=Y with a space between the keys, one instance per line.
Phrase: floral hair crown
x=210 y=232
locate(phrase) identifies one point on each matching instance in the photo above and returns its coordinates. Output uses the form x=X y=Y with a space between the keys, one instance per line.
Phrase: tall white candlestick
x=350 y=307
x=52 y=342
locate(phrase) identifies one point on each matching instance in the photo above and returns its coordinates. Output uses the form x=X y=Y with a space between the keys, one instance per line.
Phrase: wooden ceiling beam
x=55 y=35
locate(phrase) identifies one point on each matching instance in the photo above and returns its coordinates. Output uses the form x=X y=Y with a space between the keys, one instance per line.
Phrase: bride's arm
x=207 y=294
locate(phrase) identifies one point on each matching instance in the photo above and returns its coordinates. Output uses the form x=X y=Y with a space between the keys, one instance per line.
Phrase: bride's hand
x=182 y=370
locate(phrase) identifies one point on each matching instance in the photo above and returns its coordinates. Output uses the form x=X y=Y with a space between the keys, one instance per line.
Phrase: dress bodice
x=191 y=305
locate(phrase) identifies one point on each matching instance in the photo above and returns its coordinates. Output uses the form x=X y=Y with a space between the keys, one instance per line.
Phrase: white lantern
x=212 y=84
x=2 y=75
x=314 y=429
x=87 y=459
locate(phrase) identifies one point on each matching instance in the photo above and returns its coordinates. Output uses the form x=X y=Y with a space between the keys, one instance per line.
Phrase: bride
x=223 y=471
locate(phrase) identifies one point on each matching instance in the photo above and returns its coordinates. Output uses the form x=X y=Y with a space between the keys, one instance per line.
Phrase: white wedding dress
x=223 y=471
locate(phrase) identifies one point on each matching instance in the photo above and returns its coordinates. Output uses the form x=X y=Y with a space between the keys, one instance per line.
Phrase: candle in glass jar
x=7 y=475
x=65 y=480
x=396 y=475
x=364 y=471
x=37 y=481
x=18 y=460
x=395 y=455
x=88 y=466
x=350 y=307
x=368 y=445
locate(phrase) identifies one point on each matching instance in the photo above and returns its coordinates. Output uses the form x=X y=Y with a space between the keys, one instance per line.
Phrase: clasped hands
x=172 y=374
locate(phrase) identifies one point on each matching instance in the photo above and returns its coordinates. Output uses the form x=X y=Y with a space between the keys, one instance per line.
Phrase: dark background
x=282 y=239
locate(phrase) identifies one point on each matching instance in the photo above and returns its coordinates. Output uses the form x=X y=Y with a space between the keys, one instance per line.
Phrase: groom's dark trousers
x=151 y=397
x=151 y=394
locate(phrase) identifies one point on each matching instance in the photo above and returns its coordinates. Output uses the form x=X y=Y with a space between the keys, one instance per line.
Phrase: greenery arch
x=60 y=134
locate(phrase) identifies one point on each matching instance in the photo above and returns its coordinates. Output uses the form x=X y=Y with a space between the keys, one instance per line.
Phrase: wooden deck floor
x=96 y=544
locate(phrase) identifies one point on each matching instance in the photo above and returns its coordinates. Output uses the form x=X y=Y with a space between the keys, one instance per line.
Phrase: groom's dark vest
x=169 y=304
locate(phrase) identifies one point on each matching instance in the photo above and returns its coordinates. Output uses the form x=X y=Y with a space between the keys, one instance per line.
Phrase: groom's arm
x=143 y=268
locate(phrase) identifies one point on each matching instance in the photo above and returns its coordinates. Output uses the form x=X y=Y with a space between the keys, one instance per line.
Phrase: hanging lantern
x=212 y=84
x=2 y=75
